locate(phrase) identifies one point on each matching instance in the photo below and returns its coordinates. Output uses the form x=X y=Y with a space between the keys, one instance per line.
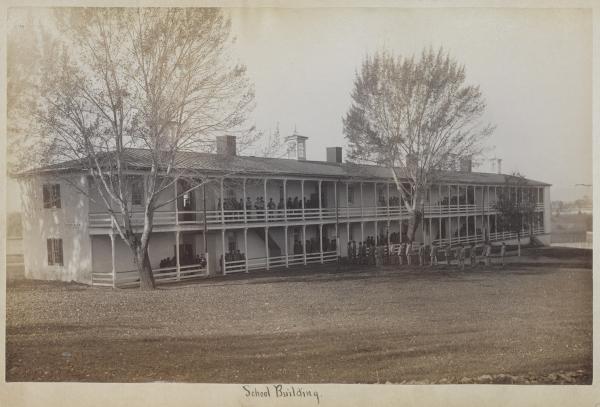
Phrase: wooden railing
x=260 y=263
x=164 y=275
x=253 y=216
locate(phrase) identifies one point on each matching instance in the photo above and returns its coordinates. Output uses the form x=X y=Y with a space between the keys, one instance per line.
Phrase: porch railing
x=260 y=263
x=250 y=216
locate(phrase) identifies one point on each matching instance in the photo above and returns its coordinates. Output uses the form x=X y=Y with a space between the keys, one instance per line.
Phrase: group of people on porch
x=256 y=209
x=184 y=260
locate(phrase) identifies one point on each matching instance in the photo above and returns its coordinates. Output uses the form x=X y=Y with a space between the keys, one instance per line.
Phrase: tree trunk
x=142 y=261
x=413 y=224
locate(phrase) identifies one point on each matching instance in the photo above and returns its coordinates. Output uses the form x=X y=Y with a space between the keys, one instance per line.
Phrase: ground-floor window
x=55 y=252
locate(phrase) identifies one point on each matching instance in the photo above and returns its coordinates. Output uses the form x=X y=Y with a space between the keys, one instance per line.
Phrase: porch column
x=265 y=204
x=177 y=264
x=244 y=200
x=388 y=230
x=176 y=202
x=285 y=231
x=321 y=240
x=285 y=206
x=347 y=202
x=348 y=234
x=361 y=200
x=113 y=260
x=376 y=203
x=440 y=228
x=223 y=258
x=302 y=200
x=362 y=231
x=320 y=203
x=430 y=232
x=388 y=205
x=376 y=233
x=304 y=242
x=246 y=249
x=267 y=246
x=222 y=208
x=439 y=205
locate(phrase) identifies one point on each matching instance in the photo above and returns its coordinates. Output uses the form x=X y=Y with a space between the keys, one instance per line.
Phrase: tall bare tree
x=152 y=78
x=415 y=117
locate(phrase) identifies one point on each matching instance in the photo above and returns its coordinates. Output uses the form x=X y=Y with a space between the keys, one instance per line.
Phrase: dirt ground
x=533 y=319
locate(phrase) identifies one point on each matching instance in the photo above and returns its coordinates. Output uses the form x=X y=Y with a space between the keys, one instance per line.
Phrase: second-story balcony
x=214 y=218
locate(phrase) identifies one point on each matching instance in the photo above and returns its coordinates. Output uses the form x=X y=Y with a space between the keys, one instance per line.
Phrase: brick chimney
x=334 y=155
x=226 y=145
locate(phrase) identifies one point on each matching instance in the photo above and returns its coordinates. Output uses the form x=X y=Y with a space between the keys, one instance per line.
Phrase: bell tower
x=296 y=146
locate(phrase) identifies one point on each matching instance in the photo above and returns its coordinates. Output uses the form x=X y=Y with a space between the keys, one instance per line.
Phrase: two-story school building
x=253 y=213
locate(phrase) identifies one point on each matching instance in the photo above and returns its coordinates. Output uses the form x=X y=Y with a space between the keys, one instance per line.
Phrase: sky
x=534 y=67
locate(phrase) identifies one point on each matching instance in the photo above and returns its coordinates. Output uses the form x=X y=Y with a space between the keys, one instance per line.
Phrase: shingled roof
x=250 y=165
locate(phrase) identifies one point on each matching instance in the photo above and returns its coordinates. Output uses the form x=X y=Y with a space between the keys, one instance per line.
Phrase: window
x=137 y=191
x=55 y=252
x=51 y=194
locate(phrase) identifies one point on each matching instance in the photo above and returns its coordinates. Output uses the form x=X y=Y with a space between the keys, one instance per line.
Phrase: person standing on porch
x=461 y=257
x=421 y=254
x=448 y=254
x=408 y=250
x=433 y=255
x=503 y=252
x=473 y=254
x=488 y=253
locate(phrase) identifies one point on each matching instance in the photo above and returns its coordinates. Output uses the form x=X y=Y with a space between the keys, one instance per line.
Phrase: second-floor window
x=51 y=195
x=137 y=191
x=55 y=252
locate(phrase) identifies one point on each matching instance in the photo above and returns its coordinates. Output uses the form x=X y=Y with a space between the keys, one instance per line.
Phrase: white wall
x=69 y=223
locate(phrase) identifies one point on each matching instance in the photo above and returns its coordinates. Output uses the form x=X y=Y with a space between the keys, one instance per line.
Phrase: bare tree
x=415 y=117
x=516 y=207
x=151 y=78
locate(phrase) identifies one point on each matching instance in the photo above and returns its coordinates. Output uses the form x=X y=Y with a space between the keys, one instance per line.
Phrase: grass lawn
x=360 y=325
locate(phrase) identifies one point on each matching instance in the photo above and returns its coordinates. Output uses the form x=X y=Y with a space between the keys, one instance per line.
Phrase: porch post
x=223 y=256
x=347 y=202
x=388 y=204
x=246 y=249
x=285 y=231
x=320 y=203
x=321 y=240
x=376 y=203
x=362 y=231
x=267 y=246
x=265 y=205
x=361 y=200
x=244 y=200
x=376 y=232
x=222 y=208
x=285 y=205
x=176 y=203
x=430 y=231
x=302 y=200
x=304 y=242
x=113 y=260
x=177 y=264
